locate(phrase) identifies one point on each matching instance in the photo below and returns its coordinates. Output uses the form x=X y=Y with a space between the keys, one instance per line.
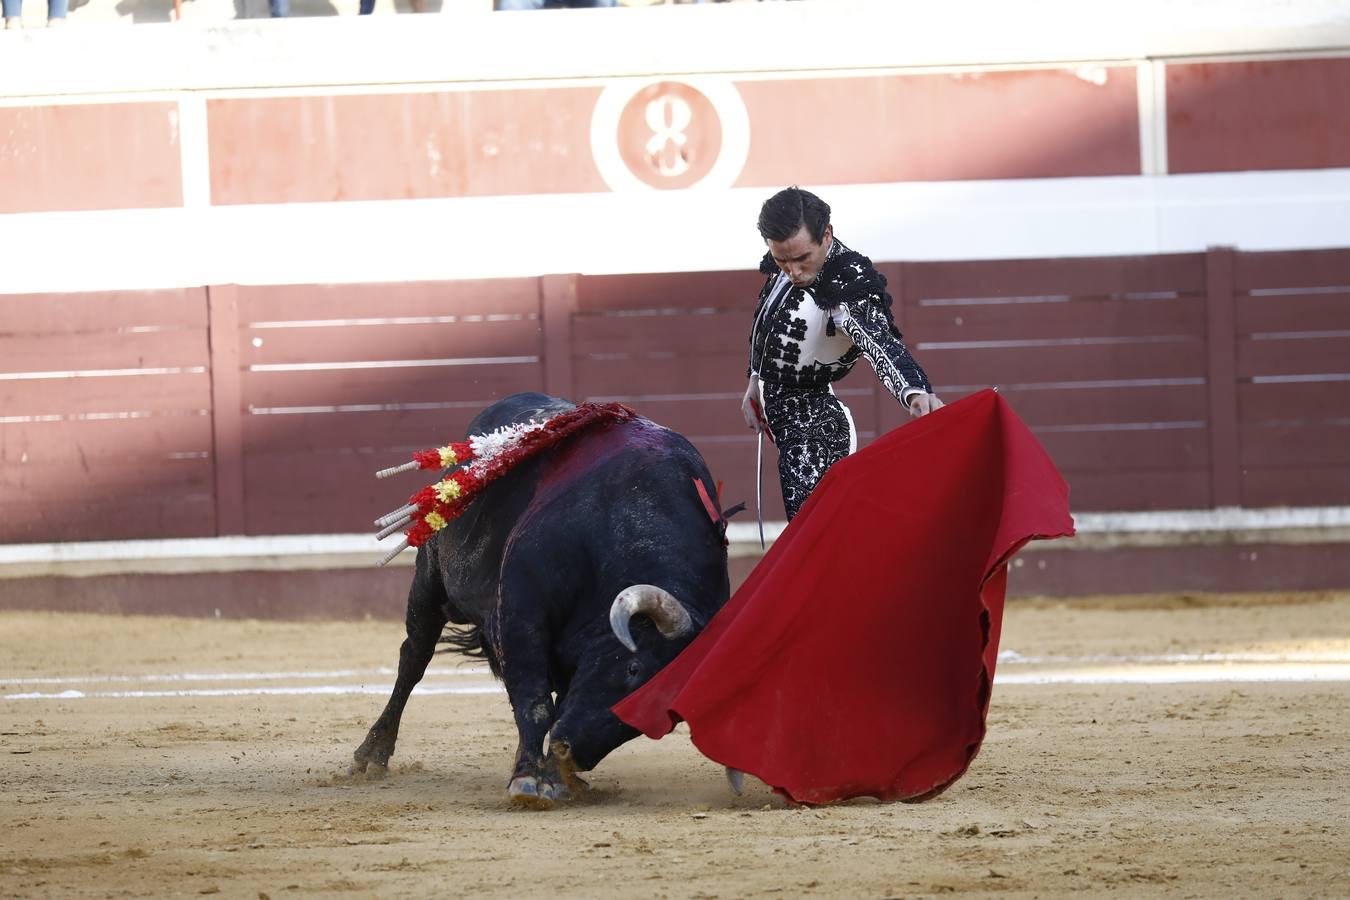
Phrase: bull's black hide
x=537 y=566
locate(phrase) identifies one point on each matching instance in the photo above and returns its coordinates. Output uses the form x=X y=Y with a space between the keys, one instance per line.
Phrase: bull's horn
x=667 y=613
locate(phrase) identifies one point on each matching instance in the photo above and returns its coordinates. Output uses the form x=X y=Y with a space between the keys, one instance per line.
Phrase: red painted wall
x=1043 y=123
x=402 y=146
x=267 y=409
x=1272 y=114
x=89 y=156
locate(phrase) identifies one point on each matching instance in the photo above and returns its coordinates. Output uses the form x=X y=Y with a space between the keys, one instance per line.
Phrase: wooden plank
x=1315 y=485
x=1293 y=401
x=287 y=495
x=1076 y=318
x=102 y=350
x=474 y=340
x=1312 y=356
x=103 y=497
x=101 y=311
x=1069 y=277
x=327 y=302
x=641 y=377
x=1148 y=489
x=474 y=386
x=557 y=305
x=82 y=443
x=308 y=432
x=1221 y=376
x=733 y=290
x=1294 y=312
x=226 y=409
x=129 y=393
x=709 y=414
x=1127 y=451
x=53 y=482
x=1295 y=445
x=1038 y=365
x=1087 y=406
x=721 y=416
x=1286 y=269
x=702 y=334
x=109 y=518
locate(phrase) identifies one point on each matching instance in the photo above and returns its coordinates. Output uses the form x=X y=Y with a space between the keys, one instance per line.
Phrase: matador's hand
x=754 y=416
x=922 y=404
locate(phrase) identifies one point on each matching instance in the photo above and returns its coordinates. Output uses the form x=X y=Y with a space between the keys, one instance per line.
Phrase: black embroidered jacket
x=809 y=337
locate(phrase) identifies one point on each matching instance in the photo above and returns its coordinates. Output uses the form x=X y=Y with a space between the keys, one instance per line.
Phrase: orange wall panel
x=970 y=125
x=1271 y=114
x=402 y=146
x=95 y=156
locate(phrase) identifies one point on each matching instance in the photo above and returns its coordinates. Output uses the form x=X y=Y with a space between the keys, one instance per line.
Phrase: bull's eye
x=634 y=668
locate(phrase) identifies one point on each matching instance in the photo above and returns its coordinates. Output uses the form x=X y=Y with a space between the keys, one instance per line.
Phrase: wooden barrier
x=1185 y=381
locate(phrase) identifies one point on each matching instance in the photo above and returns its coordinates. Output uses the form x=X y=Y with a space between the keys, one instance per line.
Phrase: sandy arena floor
x=1117 y=762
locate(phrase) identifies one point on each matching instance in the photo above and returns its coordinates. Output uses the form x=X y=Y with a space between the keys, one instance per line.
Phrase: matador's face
x=800 y=257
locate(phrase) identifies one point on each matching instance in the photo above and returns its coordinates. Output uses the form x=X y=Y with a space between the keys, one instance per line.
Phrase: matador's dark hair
x=790 y=209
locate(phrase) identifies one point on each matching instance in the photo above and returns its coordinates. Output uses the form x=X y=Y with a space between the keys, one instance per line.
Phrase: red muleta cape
x=857 y=658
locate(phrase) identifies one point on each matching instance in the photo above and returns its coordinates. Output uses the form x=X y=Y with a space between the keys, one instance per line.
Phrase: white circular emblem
x=669 y=134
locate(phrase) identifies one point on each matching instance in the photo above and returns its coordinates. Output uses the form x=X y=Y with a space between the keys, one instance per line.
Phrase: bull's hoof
x=365 y=764
x=531 y=793
x=566 y=767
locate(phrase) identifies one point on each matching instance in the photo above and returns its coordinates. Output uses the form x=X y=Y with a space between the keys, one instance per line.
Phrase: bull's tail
x=468 y=641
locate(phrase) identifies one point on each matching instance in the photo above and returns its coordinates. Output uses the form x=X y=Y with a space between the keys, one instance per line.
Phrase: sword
x=759 y=488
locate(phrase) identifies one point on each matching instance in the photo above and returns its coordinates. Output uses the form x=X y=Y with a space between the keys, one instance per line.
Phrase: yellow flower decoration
x=435 y=520
x=448 y=490
x=448 y=457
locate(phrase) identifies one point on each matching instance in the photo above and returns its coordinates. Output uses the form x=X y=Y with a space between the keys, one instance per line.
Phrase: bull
x=577 y=576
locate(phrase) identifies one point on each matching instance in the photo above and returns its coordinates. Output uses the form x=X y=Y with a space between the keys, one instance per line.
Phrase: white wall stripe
x=385 y=671
x=1012 y=657
x=194 y=149
x=1202 y=673
x=99 y=373
x=320 y=690
x=1299 y=379
x=1306 y=525
x=1143 y=80
x=1228 y=674
x=1151 y=77
x=1006 y=659
x=617 y=233
x=392 y=364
